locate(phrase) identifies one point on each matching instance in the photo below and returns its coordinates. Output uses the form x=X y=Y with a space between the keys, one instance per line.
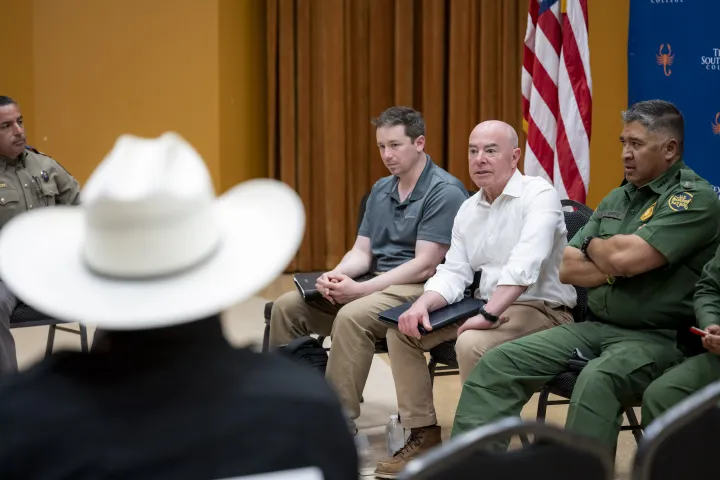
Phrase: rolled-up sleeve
x=542 y=220
x=452 y=277
x=678 y=232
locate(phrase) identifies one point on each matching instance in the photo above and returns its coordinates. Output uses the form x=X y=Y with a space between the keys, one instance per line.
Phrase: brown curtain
x=332 y=65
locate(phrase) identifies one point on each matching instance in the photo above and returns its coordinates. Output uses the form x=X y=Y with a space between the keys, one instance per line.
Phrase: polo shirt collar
x=513 y=188
x=421 y=186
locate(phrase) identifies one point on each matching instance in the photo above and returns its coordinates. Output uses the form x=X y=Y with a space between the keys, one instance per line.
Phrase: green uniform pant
x=679 y=383
x=508 y=375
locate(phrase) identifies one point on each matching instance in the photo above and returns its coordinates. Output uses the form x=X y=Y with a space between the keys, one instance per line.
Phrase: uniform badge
x=44 y=176
x=680 y=201
x=3 y=185
x=648 y=213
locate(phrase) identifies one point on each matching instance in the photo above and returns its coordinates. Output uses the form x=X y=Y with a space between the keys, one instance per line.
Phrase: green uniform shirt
x=34 y=181
x=707 y=294
x=678 y=214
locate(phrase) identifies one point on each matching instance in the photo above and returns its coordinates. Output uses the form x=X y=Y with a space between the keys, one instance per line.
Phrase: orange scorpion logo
x=716 y=125
x=665 y=59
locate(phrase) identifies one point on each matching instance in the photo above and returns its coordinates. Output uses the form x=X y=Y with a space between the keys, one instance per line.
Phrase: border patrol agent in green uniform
x=698 y=371
x=28 y=180
x=640 y=256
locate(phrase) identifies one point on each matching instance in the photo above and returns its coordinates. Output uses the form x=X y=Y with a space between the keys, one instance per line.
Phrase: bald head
x=498 y=128
x=493 y=155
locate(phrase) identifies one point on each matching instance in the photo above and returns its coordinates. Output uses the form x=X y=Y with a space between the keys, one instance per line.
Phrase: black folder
x=462 y=310
x=305 y=283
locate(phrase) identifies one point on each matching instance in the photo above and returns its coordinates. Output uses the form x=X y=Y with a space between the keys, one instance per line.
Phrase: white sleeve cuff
x=450 y=294
x=517 y=276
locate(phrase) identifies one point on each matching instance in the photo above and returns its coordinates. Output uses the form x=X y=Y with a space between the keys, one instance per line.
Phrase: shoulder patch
x=680 y=201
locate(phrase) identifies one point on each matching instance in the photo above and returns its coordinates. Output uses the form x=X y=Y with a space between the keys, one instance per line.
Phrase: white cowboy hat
x=151 y=245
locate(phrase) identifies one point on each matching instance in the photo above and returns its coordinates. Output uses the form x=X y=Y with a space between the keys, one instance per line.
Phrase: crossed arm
x=617 y=256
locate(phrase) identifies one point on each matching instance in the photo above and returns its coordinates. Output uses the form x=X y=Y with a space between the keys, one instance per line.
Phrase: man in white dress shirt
x=513 y=230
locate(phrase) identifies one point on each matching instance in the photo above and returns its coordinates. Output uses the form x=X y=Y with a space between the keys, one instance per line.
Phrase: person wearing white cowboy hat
x=153 y=258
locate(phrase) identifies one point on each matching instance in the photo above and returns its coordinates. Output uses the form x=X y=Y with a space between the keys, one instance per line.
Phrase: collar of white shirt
x=513 y=188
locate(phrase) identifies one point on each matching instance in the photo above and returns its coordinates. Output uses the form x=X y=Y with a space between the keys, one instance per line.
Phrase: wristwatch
x=585 y=245
x=488 y=316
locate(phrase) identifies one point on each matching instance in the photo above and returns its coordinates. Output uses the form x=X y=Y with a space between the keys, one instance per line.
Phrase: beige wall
x=89 y=71
x=243 y=91
x=608 y=37
x=104 y=68
x=17 y=78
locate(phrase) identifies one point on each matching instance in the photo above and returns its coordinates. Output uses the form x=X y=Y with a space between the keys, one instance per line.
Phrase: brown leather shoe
x=419 y=441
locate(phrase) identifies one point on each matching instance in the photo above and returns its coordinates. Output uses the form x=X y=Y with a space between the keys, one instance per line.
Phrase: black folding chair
x=682 y=443
x=25 y=316
x=576 y=216
x=555 y=453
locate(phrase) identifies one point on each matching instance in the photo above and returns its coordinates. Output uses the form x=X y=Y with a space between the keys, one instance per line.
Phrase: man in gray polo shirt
x=403 y=237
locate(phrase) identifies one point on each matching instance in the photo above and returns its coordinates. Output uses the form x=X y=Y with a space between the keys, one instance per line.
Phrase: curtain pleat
x=333 y=65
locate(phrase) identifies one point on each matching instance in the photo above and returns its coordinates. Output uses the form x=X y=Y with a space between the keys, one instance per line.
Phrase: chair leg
x=83 y=338
x=432 y=365
x=633 y=421
x=542 y=404
x=266 y=339
x=50 y=341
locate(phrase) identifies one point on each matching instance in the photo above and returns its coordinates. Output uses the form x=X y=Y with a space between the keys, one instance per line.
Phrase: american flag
x=557 y=95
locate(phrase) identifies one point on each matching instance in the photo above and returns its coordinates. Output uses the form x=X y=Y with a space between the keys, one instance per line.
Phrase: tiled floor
x=244 y=326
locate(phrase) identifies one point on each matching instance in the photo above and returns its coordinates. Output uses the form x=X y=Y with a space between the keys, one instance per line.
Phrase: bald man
x=513 y=230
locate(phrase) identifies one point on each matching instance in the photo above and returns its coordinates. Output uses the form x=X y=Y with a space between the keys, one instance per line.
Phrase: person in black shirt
x=153 y=258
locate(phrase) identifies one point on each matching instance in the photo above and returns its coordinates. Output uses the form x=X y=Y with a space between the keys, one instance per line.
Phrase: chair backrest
x=25 y=316
x=555 y=453
x=361 y=211
x=576 y=216
x=683 y=442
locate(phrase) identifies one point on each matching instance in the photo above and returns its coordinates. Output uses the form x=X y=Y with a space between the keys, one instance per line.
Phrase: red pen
x=697 y=331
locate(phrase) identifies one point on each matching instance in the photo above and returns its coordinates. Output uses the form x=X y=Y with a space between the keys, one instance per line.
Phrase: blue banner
x=674 y=55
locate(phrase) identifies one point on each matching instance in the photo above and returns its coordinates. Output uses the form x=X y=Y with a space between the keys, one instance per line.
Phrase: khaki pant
x=354 y=329
x=409 y=365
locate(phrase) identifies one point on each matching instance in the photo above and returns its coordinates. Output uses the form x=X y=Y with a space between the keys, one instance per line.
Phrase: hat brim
x=41 y=261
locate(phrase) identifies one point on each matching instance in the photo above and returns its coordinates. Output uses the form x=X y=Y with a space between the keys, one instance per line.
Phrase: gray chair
x=683 y=441
x=554 y=453
x=25 y=316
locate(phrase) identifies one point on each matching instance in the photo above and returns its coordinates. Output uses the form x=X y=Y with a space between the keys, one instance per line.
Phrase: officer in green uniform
x=28 y=180
x=697 y=371
x=640 y=256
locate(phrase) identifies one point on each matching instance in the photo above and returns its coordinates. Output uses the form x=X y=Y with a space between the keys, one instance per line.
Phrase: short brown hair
x=411 y=119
